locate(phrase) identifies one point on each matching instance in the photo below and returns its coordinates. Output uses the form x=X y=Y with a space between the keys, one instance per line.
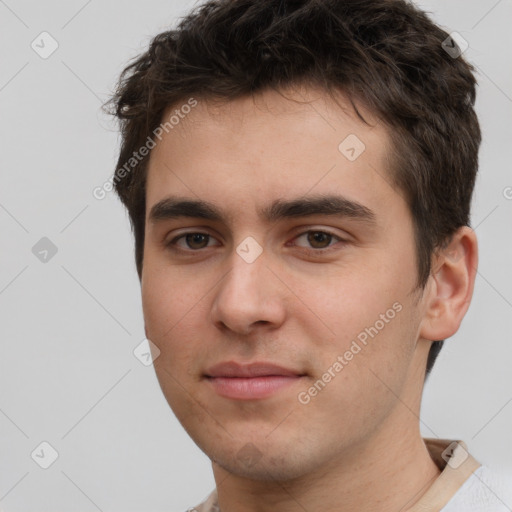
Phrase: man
x=298 y=176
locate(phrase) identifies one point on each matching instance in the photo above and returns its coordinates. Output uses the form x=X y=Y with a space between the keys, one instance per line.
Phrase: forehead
x=254 y=150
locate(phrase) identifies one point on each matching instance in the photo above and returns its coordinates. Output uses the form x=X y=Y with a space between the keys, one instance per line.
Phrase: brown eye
x=193 y=241
x=197 y=240
x=319 y=239
x=315 y=239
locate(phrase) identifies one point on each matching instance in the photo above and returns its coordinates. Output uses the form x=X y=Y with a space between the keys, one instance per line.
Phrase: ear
x=450 y=286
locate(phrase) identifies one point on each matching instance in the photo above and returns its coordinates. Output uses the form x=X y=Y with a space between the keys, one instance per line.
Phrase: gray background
x=68 y=375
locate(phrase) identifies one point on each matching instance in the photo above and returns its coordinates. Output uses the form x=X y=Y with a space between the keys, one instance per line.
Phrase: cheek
x=170 y=307
x=169 y=316
x=345 y=303
x=364 y=314
x=360 y=370
x=166 y=295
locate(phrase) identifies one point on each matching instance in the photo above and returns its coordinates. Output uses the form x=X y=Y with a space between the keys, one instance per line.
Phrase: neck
x=380 y=476
x=388 y=471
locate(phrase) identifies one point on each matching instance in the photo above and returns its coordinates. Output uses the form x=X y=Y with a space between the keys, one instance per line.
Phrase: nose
x=248 y=296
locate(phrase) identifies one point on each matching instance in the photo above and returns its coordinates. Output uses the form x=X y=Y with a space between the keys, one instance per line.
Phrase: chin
x=267 y=460
x=264 y=470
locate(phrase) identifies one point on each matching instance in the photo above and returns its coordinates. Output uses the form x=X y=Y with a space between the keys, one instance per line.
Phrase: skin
x=356 y=445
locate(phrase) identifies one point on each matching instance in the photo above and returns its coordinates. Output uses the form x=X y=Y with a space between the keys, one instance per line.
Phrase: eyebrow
x=332 y=205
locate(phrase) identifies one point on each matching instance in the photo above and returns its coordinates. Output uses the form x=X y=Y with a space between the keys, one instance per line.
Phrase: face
x=272 y=239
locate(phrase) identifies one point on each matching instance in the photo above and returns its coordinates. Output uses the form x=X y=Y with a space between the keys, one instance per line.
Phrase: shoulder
x=486 y=490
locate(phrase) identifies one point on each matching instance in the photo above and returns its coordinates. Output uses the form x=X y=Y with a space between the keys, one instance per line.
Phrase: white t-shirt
x=464 y=485
x=483 y=491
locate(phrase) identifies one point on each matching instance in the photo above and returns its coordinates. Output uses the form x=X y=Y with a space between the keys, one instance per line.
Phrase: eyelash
x=172 y=244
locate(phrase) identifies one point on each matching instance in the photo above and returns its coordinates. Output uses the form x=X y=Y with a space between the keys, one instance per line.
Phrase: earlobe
x=451 y=285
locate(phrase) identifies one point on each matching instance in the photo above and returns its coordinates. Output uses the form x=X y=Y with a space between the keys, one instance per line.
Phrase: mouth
x=250 y=381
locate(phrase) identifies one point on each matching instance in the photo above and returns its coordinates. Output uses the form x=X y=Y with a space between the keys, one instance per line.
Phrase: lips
x=250 y=381
x=233 y=369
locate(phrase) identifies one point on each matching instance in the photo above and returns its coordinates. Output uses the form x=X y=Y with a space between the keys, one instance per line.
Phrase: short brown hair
x=386 y=54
